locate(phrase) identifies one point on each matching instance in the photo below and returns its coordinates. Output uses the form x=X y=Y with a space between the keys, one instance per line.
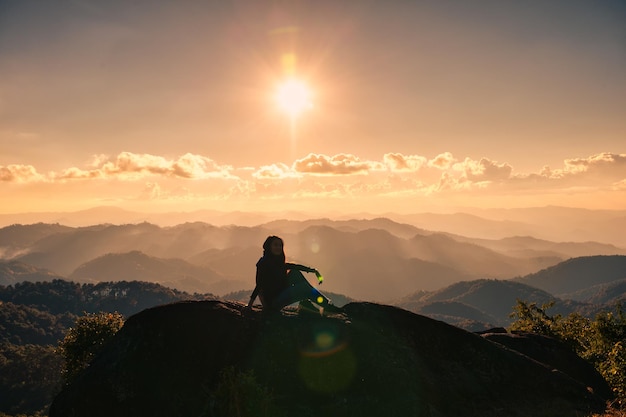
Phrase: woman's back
x=271 y=277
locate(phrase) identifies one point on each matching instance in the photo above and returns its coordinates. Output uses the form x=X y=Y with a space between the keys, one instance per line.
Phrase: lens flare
x=315 y=247
x=320 y=299
x=324 y=340
x=327 y=363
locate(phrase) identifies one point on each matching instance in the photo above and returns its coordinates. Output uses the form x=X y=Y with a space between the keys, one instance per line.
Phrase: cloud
x=144 y=177
x=448 y=182
x=19 y=173
x=603 y=162
x=404 y=163
x=198 y=166
x=341 y=164
x=595 y=168
x=484 y=170
x=442 y=161
x=128 y=165
x=275 y=172
x=77 y=173
x=97 y=160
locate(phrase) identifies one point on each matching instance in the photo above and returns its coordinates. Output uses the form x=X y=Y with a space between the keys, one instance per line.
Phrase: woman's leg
x=299 y=289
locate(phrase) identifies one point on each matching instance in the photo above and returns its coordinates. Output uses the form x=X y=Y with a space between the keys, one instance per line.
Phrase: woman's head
x=273 y=246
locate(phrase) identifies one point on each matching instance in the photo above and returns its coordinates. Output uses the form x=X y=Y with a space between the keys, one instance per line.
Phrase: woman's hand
x=319 y=276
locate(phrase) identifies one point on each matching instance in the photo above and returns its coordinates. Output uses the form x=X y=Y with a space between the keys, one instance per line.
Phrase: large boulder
x=555 y=354
x=370 y=360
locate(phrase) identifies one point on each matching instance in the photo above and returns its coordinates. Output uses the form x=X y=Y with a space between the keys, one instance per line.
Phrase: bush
x=86 y=339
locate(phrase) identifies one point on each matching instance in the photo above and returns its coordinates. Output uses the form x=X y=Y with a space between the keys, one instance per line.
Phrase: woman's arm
x=253 y=296
x=300 y=267
x=319 y=276
x=257 y=288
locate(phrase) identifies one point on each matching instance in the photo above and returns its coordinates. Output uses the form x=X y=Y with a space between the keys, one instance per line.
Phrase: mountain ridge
x=550 y=222
x=137 y=266
x=578 y=273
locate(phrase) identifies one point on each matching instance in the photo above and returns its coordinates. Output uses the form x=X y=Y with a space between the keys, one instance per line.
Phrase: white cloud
x=484 y=170
x=197 y=166
x=19 y=173
x=341 y=164
x=606 y=163
x=131 y=166
x=152 y=177
x=276 y=171
x=96 y=160
x=442 y=161
x=598 y=168
x=77 y=173
x=404 y=163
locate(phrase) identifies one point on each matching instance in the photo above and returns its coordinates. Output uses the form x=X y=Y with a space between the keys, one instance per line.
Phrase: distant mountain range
x=559 y=224
x=470 y=281
x=376 y=259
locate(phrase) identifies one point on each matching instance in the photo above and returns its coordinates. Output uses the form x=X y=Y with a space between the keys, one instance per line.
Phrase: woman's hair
x=267 y=247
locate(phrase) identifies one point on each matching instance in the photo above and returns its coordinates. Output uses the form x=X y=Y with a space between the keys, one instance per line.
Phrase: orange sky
x=426 y=105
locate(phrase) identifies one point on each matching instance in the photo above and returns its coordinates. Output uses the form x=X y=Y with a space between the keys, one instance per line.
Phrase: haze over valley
x=415 y=264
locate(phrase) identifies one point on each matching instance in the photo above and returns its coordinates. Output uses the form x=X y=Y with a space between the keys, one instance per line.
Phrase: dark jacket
x=271 y=278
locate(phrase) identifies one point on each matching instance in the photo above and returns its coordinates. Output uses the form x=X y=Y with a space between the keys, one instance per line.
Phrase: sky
x=410 y=106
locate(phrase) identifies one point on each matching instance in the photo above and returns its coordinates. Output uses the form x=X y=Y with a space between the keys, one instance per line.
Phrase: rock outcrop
x=370 y=360
x=556 y=355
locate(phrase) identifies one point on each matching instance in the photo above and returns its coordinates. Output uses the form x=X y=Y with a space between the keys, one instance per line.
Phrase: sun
x=293 y=97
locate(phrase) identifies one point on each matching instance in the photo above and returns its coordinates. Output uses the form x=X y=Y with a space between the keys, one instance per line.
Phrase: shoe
x=307 y=306
x=330 y=308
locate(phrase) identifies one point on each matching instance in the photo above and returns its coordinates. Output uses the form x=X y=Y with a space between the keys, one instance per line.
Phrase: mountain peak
x=371 y=359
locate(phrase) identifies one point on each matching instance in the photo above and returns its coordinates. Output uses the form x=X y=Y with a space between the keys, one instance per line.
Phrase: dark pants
x=299 y=289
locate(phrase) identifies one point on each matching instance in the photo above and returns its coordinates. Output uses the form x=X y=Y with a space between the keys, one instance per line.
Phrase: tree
x=533 y=319
x=30 y=377
x=86 y=339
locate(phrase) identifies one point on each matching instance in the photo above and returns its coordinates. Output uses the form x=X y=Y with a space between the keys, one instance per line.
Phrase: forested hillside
x=34 y=318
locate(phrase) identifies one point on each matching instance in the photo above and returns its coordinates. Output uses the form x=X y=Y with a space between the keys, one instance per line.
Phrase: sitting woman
x=279 y=283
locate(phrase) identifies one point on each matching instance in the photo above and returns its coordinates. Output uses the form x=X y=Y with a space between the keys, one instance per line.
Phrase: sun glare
x=293 y=97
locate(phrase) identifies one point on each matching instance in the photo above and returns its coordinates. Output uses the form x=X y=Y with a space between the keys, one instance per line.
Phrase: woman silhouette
x=279 y=283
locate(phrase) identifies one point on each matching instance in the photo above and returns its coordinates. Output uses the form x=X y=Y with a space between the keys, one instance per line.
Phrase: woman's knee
x=295 y=276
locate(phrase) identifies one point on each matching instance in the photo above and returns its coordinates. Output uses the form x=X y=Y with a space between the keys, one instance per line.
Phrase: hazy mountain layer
x=12 y=272
x=479 y=304
x=560 y=224
x=374 y=259
x=577 y=274
x=137 y=266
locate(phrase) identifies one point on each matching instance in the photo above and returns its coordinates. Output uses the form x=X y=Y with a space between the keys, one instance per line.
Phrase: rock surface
x=370 y=360
x=555 y=354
